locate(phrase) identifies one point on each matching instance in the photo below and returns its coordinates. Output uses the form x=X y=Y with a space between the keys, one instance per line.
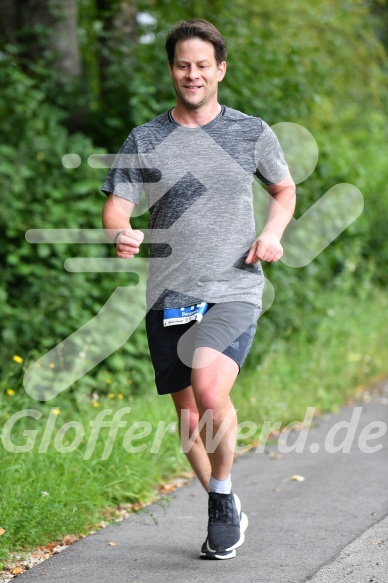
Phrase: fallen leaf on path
x=2 y=531
x=166 y=488
x=112 y=544
x=297 y=478
x=17 y=571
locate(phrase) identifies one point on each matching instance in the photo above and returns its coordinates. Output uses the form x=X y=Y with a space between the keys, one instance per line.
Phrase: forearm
x=116 y=215
x=281 y=209
x=267 y=246
x=115 y=220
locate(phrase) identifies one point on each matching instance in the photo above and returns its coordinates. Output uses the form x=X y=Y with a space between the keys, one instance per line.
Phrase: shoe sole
x=243 y=526
x=210 y=556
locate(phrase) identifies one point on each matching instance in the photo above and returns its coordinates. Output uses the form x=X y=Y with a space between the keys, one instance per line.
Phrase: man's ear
x=221 y=70
x=169 y=68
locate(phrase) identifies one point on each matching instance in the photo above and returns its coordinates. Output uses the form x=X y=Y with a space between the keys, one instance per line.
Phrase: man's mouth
x=193 y=86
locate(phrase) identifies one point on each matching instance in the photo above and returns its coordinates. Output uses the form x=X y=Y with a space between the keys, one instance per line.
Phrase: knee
x=207 y=402
x=209 y=399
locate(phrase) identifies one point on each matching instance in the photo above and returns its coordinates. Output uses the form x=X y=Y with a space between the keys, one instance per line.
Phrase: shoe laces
x=218 y=510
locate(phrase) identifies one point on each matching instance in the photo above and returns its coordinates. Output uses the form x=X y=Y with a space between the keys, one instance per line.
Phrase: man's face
x=195 y=73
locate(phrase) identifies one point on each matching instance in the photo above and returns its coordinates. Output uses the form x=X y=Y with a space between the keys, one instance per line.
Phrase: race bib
x=174 y=316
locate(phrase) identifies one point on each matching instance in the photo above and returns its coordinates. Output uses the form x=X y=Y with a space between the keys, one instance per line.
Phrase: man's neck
x=193 y=118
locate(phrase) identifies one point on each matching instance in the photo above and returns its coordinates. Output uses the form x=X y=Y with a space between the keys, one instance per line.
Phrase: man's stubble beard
x=197 y=105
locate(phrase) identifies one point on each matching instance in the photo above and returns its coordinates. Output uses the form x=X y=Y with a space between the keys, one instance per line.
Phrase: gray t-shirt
x=198 y=188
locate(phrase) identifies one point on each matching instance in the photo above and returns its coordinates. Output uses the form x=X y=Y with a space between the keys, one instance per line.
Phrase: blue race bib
x=174 y=316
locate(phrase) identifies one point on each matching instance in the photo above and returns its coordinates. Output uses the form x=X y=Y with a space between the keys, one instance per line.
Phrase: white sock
x=220 y=486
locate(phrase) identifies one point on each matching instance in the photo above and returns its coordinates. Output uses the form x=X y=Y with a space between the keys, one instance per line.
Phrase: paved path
x=330 y=528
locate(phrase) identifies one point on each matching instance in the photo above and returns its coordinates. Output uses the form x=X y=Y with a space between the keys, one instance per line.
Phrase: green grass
x=48 y=494
x=347 y=352
x=79 y=488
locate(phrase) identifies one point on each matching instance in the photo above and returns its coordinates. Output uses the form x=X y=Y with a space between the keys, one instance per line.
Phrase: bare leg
x=196 y=454
x=211 y=385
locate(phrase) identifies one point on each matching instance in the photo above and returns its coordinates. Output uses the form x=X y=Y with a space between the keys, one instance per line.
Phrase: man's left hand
x=266 y=248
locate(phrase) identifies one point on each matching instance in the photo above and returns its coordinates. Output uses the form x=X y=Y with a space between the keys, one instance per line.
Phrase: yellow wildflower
x=18 y=359
x=120 y=396
x=108 y=381
x=51 y=365
x=10 y=392
x=96 y=404
x=111 y=395
x=55 y=411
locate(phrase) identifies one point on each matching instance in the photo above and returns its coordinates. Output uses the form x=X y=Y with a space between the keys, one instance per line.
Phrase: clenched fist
x=267 y=247
x=128 y=243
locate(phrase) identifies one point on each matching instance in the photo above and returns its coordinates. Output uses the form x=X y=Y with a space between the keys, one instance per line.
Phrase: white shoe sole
x=243 y=524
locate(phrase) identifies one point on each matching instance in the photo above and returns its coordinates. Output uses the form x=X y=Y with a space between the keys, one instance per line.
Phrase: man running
x=196 y=164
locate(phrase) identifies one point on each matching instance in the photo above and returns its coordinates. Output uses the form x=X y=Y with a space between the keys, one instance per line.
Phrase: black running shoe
x=226 y=526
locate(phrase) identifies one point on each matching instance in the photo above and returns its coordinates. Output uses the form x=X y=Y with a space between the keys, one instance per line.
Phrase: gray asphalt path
x=332 y=527
x=365 y=559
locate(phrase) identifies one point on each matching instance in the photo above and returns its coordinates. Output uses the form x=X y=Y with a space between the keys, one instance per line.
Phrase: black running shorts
x=227 y=327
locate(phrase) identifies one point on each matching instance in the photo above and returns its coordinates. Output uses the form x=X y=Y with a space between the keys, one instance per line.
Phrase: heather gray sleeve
x=271 y=166
x=125 y=177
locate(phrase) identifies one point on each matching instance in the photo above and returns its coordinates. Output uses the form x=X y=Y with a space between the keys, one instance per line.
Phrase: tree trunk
x=37 y=25
x=64 y=39
x=7 y=21
x=124 y=21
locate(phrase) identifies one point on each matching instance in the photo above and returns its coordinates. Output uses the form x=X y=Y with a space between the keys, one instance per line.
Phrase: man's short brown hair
x=195 y=28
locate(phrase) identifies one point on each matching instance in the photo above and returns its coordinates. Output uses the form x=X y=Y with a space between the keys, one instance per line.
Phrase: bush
x=41 y=303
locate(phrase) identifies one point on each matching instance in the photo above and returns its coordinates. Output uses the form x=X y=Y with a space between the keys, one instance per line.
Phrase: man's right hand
x=128 y=243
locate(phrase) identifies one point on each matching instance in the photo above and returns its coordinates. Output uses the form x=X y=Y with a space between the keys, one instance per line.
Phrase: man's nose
x=192 y=72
